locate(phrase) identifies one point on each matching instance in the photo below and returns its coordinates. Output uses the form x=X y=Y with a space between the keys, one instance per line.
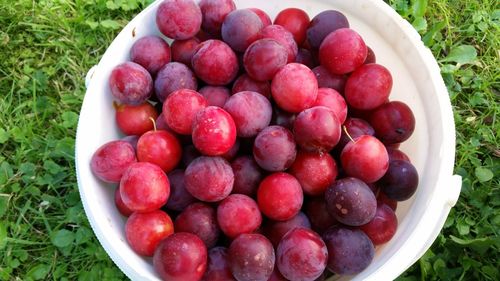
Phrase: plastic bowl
x=417 y=81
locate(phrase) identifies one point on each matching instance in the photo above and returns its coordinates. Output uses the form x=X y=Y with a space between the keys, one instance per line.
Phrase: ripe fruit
x=181 y=257
x=274 y=149
x=317 y=129
x=393 y=122
x=214 y=12
x=383 y=225
x=130 y=83
x=180 y=109
x=350 y=250
x=214 y=131
x=199 y=219
x=251 y=257
x=266 y=126
x=172 y=77
x=151 y=52
x=323 y=24
x=263 y=58
x=215 y=63
x=275 y=230
x=241 y=28
x=280 y=196
x=251 y=112
x=301 y=255
x=401 y=180
x=135 y=119
x=296 y=21
x=144 y=231
x=238 y=214
x=144 y=187
x=342 y=51
x=218 y=266
x=209 y=179
x=178 y=19
x=112 y=159
x=160 y=148
x=351 y=202
x=294 y=88
x=365 y=158
x=368 y=87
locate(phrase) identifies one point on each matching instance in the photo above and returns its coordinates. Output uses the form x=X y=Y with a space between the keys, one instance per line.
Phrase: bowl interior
x=381 y=29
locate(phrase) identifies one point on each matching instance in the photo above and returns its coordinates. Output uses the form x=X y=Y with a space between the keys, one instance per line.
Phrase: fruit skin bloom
x=179 y=19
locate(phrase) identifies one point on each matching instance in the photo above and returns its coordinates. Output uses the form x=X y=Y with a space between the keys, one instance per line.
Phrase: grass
x=46 y=49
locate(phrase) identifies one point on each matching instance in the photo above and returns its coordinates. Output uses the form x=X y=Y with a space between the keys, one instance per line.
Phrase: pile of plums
x=255 y=150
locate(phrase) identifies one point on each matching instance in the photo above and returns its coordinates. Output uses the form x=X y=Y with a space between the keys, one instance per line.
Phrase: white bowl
x=417 y=81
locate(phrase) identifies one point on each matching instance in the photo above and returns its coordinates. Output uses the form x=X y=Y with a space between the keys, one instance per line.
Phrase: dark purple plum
x=247 y=175
x=172 y=77
x=306 y=58
x=214 y=12
x=351 y=202
x=401 y=180
x=179 y=198
x=241 y=28
x=316 y=210
x=199 y=219
x=251 y=257
x=275 y=230
x=218 y=266
x=283 y=118
x=274 y=149
x=370 y=57
x=329 y=80
x=183 y=50
x=323 y=24
x=350 y=251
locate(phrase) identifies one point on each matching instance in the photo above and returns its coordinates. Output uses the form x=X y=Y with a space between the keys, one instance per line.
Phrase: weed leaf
x=462 y=54
x=483 y=174
x=62 y=238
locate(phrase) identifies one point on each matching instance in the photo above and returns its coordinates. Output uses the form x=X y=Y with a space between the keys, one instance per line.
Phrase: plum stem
x=347 y=133
x=154 y=123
